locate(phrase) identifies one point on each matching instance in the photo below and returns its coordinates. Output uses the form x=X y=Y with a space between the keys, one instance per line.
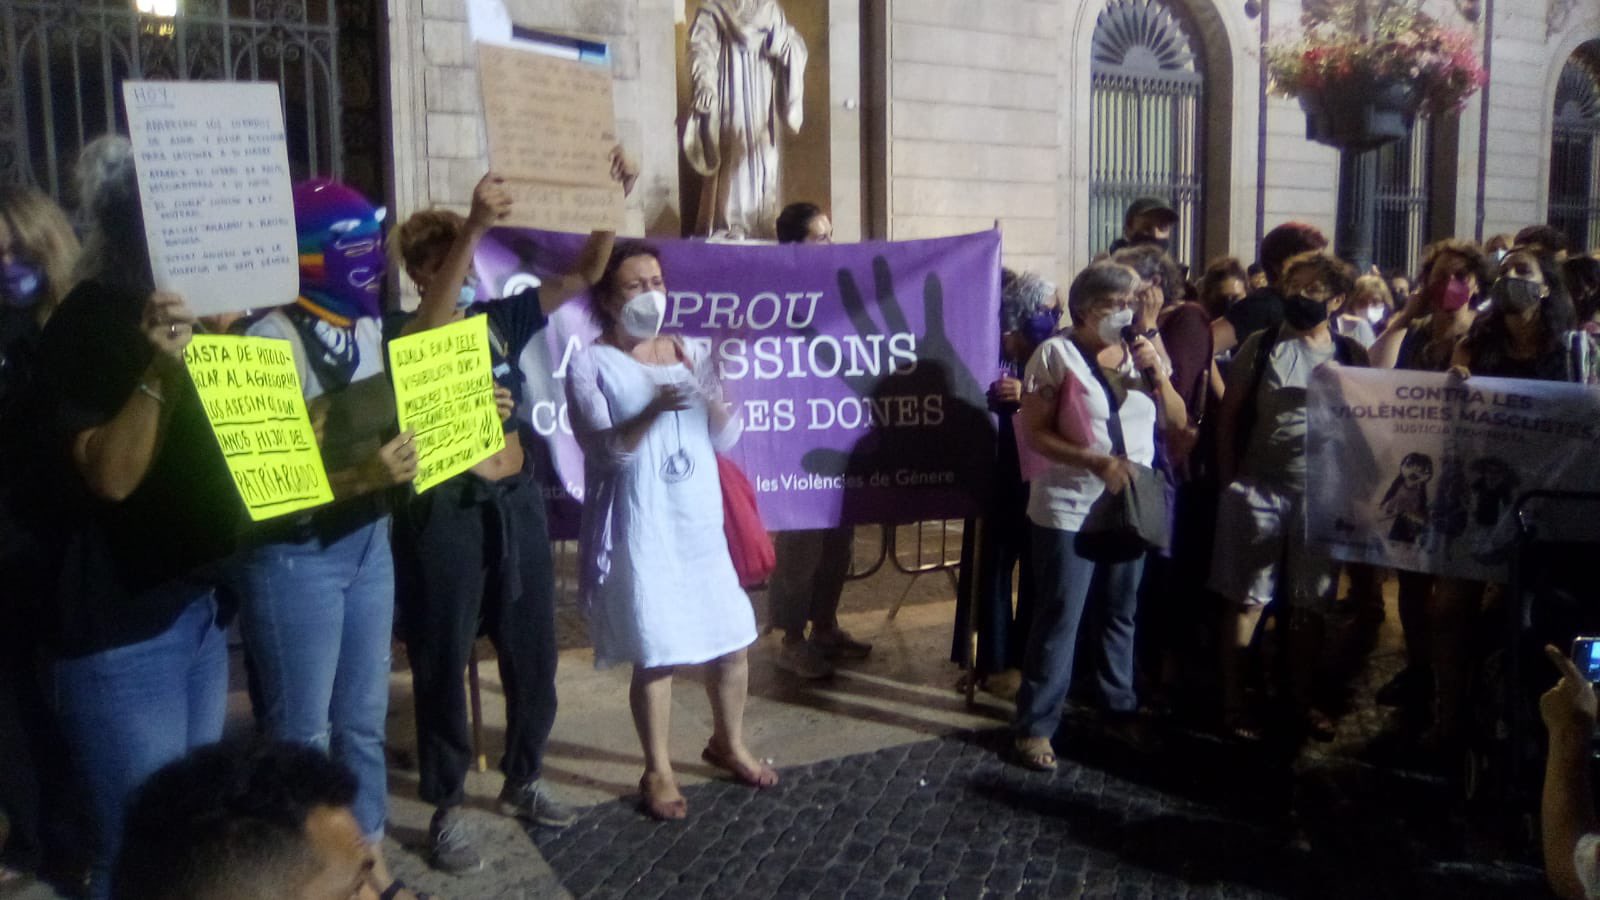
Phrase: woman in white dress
x=658 y=585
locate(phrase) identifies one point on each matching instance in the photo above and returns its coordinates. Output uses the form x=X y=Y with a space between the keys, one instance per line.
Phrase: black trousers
x=809 y=579
x=474 y=558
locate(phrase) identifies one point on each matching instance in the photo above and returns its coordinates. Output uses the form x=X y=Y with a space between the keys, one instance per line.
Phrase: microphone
x=1150 y=373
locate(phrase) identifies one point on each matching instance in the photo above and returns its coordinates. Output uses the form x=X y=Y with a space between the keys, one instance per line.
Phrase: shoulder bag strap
x=1114 y=422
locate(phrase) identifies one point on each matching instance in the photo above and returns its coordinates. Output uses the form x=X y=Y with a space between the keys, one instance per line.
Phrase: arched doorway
x=1575 y=149
x=1147 y=127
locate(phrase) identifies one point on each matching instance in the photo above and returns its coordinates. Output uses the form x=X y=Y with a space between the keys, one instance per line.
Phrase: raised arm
x=113 y=459
x=491 y=203
x=1566 y=811
x=1385 y=350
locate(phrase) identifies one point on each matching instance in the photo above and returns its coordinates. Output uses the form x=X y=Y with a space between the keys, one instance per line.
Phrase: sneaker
x=802 y=658
x=532 y=803
x=450 y=843
x=836 y=643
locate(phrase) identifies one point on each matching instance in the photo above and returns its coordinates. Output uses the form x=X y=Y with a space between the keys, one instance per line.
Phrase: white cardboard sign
x=214 y=181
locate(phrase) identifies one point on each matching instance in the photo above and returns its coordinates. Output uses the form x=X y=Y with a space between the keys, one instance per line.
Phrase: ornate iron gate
x=1575 y=150
x=1403 y=191
x=1147 y=100
x=62 y=64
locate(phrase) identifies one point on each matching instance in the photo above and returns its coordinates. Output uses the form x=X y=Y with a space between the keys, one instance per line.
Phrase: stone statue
x=747 y=70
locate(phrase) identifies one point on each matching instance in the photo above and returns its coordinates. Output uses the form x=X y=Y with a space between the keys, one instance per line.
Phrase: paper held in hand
x=250 y=390
x=444 y=387
x=214 y=181
x=550 y=129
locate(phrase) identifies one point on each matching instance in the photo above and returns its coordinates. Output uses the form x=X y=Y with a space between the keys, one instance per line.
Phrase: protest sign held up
x=214 y=182
x=444 y=387
x=1421 y=471
x=550 y=130
x=251 y=394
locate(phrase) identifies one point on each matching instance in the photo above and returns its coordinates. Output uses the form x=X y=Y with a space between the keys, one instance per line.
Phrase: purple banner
x=859 y=369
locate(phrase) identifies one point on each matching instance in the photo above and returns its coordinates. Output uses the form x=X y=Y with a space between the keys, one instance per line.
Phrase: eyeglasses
x=1116 y=302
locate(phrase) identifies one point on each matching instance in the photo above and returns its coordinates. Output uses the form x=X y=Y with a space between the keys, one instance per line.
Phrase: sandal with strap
x=396 y=886
x=654 y=806
x=1035 y=753
x=763 y=776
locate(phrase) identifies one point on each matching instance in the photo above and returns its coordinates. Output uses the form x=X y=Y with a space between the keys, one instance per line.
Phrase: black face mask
x=1303 y=313
x=1516 y=295
x=1145 y=240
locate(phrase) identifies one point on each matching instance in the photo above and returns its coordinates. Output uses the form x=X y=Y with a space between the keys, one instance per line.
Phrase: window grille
x=1147 y=102
x=1403 y=191
x=62 y=64
x=1575 y=152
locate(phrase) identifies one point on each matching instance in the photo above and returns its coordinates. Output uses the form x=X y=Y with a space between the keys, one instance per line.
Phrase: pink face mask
x=1450 y=296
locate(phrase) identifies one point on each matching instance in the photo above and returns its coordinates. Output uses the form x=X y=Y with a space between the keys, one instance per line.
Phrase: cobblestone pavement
x=949 y=818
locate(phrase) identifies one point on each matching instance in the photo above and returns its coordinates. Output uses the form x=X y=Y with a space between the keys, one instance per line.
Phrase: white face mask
x=642 y=316
x=466 y=296
x=1111 y=326
x=1374 y=314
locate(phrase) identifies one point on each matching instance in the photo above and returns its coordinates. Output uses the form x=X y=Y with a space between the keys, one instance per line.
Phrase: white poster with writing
x=1420 y=471
x=214 y=180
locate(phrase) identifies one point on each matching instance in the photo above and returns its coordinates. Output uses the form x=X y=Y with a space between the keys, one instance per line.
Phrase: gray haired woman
x=1065 y=417
x=1030 y=309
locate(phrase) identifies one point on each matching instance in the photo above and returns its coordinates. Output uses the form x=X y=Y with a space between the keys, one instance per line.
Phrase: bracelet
x=152 y=393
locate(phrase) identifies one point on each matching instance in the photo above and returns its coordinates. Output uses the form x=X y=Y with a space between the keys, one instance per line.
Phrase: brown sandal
x=763 y=776
x=657 y=807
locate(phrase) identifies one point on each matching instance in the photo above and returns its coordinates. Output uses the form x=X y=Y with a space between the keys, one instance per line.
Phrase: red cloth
x=749 y=545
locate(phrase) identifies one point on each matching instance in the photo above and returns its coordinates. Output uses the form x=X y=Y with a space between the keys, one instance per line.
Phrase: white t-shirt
x=1060 y=497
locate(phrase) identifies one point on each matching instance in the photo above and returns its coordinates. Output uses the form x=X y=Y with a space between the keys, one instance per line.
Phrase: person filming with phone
x=1571 y=832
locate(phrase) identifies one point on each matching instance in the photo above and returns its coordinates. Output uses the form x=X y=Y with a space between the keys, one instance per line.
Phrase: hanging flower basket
x=1360 y=116
x=1363 y=72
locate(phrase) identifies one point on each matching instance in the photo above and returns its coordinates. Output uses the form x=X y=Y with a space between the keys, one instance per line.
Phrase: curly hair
x=1478 y=264
x=1332 y=272
x=1150 y=261
x=1024 y=296
x=423 y=237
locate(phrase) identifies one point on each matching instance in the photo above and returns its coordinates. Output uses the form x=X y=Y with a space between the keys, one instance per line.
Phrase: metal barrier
x=923 y=547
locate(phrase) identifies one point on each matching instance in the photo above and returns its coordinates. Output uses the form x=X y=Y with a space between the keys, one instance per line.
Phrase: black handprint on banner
x=929 y=417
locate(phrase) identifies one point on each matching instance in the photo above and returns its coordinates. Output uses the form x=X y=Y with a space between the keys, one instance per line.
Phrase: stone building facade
x=931 y=117
x=923 y=117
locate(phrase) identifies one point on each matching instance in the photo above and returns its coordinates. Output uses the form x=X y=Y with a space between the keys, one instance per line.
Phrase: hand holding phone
x=1569 y=707
x=1586 y=656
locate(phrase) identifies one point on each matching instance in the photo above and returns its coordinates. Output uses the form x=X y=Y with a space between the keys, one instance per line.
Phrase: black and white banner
x=1421 y=471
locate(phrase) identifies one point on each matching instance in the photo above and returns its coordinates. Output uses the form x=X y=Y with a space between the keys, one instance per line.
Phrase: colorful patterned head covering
x=341 y=250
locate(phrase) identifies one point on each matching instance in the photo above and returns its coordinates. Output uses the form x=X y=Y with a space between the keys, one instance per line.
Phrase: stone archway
x=1226 y=42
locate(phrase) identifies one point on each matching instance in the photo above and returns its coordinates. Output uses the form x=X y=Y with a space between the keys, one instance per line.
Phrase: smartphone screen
x=1586 y=655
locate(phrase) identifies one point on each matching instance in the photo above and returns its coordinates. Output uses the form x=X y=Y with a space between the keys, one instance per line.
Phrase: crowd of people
x=128 y=556
x=1224 y=421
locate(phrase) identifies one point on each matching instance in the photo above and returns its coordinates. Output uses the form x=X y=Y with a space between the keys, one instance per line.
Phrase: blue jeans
x=317 y=621
x=1062 y=581
x=128 y=711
